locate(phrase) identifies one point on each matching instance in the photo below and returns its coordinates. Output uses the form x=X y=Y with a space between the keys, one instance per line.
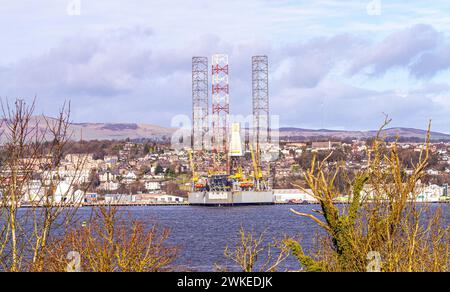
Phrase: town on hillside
x=145 y=172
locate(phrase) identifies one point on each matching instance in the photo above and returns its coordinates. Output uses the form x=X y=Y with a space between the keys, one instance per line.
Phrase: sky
x=333 y=64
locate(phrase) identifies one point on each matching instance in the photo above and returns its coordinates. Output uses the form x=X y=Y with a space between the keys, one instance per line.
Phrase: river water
x=202 y=233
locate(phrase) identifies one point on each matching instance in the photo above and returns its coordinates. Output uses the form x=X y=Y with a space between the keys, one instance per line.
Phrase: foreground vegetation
x=48 y=235
x=381 y=227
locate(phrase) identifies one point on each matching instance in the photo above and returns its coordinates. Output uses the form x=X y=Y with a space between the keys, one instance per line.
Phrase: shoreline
x=185 y=204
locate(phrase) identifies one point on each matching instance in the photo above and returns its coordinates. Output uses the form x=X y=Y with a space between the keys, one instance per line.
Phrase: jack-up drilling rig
x=225 y=176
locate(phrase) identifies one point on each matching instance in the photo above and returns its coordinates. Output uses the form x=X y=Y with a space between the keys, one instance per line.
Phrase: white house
x=167 y=199
x=118 y=199
x=431 y=193
x=107 y=176
x=111 y=160
x=152 y=185
x=130 y=177
x=157 y=198
x=432 y=172
x=34 y=192
x=109 y=186
x=286 y=195
x=65 y=193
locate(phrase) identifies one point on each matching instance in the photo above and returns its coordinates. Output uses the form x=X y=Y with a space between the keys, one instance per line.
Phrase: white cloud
x=397 y=50
x=131 y=61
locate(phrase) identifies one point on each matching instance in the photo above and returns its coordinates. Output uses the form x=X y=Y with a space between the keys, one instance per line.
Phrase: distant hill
x=122 y=131
x=108 y=131
x=117 y=131
x=408 y=133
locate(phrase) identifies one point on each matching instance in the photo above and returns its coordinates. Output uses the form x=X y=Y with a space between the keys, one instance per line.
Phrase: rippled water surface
x=203 y=232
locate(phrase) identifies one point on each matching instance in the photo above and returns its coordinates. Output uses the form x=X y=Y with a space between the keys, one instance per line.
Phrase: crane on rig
x=257 y=172
x=198 y=184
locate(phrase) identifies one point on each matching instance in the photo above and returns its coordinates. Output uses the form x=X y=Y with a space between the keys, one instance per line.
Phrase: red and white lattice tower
x=220 y=107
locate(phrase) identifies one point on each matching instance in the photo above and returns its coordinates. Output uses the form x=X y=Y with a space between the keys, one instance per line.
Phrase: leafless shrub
x=251 y=253
x=111 y=244
x=26 y=161
x=381 y=216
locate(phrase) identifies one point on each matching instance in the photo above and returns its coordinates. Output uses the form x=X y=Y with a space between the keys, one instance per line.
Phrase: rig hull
x=235 y=198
